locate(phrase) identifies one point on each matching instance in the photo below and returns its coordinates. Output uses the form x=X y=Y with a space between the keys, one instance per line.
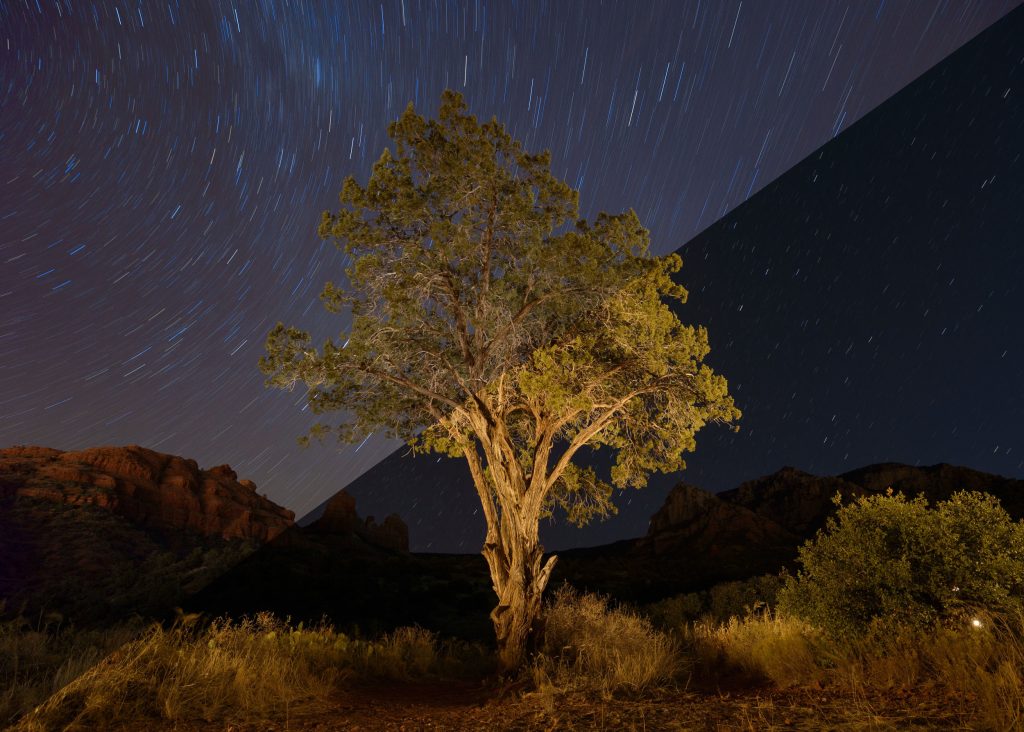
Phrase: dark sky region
x=163 y=167
x=865 y=305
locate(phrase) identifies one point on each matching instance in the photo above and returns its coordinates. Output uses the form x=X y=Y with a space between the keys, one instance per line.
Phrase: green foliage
x=486 y=318
x=884 y=561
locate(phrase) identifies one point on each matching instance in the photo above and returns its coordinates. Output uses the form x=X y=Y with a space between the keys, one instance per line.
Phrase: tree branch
x=479 y=482
x=401 y=381
x=585 y=435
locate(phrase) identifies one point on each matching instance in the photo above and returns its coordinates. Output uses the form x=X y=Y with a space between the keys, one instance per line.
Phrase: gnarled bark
x=520 y=575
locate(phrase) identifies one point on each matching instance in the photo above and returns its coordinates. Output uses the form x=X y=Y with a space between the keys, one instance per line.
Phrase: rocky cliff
x=800 y=502
x=700 y=523
x=110 y=532
x=758 y=526
x=160 y=492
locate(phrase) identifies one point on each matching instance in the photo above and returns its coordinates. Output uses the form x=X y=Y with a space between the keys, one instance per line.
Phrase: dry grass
x=978 y=661
x=258 y=668
x=37 y=660
x=263 y=669
x=589 y=646
x=254 y=669
x=412 y=653
x=782 y=650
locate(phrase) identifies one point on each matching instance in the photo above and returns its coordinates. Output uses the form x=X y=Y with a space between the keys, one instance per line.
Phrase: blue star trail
x=163 y=167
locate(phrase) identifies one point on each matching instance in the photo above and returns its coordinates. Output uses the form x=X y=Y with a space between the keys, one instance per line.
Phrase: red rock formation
x=792 y=498
x=339 y=516
x=159 y=491
x=693 y=522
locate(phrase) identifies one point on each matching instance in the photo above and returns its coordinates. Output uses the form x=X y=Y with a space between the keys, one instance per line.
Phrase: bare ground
x=456 y=706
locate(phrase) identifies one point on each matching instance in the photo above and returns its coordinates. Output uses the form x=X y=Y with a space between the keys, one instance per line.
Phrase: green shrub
x=886 y=561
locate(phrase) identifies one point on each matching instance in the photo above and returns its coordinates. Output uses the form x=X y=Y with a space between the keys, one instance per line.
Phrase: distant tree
x=489 y=324
x=886 y=560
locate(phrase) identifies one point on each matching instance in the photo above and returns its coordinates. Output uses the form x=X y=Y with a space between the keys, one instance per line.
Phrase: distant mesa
x=340 y=517
x=777 y=512
x=160 y=492
x=696 y=522
x=111 y=532
x=801 y=502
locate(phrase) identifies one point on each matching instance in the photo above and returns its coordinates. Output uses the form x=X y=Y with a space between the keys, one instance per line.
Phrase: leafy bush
x=589 y=646
x=886 y=561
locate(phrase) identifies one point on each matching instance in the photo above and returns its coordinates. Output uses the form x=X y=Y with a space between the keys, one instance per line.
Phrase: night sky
x=163 y=167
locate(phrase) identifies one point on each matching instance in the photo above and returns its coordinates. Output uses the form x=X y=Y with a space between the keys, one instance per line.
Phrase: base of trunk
x=517 y=619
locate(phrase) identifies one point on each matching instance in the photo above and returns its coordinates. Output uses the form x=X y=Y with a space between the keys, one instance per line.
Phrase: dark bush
x=719 y=603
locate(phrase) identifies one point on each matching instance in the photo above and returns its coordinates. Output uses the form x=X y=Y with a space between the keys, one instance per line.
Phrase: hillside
x=106 y=532
x=695 y=540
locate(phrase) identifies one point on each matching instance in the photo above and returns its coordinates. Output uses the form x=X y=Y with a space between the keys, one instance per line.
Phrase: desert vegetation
x=893 y=596
x=942 y=654
x=975 y=668
x=590 y=645
x=261 y=669
x=38 y=658
x=254 y=669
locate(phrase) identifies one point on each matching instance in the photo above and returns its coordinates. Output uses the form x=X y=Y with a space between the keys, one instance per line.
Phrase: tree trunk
x=519 y=583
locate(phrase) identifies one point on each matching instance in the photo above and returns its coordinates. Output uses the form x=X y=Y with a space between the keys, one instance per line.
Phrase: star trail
x=163 y=167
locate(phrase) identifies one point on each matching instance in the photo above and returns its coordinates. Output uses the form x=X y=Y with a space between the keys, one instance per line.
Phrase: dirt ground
x=456 y=706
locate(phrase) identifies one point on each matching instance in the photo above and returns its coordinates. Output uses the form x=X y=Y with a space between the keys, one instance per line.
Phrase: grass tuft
x=592 y=647
x=978 y=659
x=39 y=660
x=256 y=668
x=778 y=649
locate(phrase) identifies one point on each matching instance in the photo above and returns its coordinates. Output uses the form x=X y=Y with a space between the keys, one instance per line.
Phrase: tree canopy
x=488 y=322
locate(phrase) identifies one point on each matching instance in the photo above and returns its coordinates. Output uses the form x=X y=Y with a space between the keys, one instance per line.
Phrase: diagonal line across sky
x=163 y=167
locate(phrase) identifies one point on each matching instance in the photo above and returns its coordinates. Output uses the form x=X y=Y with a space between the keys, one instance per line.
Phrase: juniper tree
x=488 y=323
